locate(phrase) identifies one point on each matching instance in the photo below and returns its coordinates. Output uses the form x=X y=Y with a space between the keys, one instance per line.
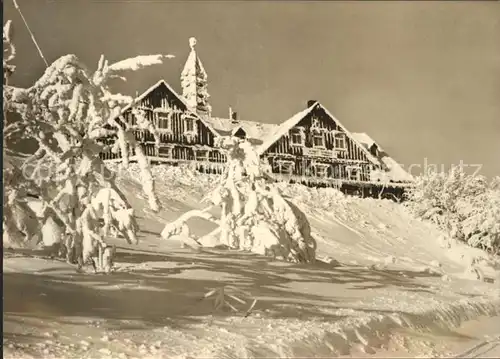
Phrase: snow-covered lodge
x=312 y=147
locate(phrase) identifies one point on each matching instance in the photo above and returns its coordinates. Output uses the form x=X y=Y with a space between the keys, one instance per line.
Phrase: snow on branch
x=7 y=41
x=254 y=214
x=67 y=111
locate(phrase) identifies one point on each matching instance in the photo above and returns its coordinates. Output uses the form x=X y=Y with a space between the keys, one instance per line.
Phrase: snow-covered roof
x=394 y=172
x=255 y=131
x=279 y=131
x=364 y=139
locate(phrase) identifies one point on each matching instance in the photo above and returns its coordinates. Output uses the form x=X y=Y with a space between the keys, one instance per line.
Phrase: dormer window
x=240 y=133
x=297 y=137
x=318 y=139
x=374 y=150
x=340 y=141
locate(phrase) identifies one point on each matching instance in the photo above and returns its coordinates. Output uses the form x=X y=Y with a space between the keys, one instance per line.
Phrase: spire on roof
x=194 y=83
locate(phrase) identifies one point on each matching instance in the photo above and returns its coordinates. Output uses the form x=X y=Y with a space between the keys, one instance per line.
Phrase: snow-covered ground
x=380 y=272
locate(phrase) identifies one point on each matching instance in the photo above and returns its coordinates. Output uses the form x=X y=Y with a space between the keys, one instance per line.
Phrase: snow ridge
x=359 y=332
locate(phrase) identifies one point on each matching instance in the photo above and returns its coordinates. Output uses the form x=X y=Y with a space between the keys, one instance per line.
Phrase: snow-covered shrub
x=467 y=207
x=481 y=224
x=254 y=214
x=67 y=111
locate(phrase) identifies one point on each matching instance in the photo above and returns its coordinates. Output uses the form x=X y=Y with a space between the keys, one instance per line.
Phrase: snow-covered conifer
x=254 y=214
x=67 y=111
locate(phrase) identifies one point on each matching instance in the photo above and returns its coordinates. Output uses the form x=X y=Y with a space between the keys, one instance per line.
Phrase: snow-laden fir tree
x=254 y=216
x=66 y=112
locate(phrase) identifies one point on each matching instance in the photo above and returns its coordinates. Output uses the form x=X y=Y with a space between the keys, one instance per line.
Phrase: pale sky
x=421 y=78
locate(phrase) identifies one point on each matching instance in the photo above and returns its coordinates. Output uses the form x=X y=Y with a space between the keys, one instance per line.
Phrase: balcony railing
x=334 y=182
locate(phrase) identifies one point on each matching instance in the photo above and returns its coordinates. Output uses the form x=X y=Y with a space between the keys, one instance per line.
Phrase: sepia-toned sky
x=421 y=78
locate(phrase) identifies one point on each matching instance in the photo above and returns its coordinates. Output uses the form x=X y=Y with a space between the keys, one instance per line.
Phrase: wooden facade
x=313 y=148
x=184 y=136
x=318 y=147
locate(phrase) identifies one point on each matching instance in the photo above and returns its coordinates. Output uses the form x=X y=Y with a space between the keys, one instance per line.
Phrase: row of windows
x=163 y=120
x=197 y=153
x=297 y=137
x=319 y=169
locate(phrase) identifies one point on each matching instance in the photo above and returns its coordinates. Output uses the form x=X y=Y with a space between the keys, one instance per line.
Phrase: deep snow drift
x=378 y=270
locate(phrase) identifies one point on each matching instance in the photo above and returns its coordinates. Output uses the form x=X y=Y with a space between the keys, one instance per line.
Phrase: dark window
x=318 y=140
x=340 y=141
x=165 y=151
x=321 y=170
x=162 y=120
x=296 y=137
x=189 y=124
x=284 y=166
x=202 y=155
x=354 y=173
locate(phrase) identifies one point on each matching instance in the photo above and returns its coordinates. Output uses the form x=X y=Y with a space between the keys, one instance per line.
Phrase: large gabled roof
x=179 y=97
x=282 y=129
x=286 y=126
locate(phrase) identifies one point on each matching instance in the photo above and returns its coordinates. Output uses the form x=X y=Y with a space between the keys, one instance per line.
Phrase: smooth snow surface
x=379 y=272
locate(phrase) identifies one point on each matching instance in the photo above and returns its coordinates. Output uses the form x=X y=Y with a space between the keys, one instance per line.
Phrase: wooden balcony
x=333 y=182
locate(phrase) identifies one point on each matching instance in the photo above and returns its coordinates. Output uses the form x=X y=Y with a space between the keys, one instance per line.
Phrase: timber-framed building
x=312 y=147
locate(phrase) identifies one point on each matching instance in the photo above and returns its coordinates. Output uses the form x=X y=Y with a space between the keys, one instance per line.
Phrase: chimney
x=310 y=103
x=234 y=117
